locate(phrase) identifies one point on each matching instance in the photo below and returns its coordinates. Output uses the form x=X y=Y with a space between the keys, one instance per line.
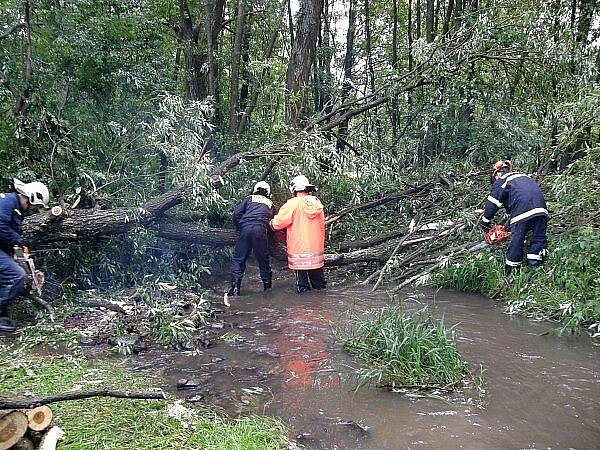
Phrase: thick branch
x=25 y=403
x=381 y=201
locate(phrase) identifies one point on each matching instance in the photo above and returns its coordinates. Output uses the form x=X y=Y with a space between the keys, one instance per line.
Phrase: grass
x=403 y=348
x=105 y=423
x=565 y=289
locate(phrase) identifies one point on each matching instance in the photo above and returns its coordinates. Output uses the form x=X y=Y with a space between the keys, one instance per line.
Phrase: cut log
x=39 y=418
x=12 y=428
x=23 y=403
x=51 y=438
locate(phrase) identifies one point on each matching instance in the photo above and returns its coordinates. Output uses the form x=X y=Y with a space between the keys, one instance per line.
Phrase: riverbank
x=108 y=423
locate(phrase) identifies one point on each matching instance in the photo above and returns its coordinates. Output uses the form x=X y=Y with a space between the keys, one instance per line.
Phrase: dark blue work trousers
x=12 y=277
x=538 y=241
x=252 y=238
x=310 y=279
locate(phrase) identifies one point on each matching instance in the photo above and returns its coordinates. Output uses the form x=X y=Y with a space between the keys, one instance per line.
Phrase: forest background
x=115 y=103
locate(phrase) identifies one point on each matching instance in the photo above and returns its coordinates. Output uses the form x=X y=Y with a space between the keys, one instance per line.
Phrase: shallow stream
x=280 y=357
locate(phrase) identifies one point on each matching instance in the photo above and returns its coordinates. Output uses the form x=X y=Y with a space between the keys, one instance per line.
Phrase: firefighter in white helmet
x=27 y=197
x=304 y=221
x=251 y=218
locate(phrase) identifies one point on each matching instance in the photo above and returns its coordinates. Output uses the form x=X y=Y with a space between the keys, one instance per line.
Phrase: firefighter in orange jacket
x=303 y=218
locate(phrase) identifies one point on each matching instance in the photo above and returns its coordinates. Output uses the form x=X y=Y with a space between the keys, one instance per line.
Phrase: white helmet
x=300 y=183
x=37 y=193
x=262 y=185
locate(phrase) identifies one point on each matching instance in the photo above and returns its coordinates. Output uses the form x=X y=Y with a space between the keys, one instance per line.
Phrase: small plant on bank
x=406 y=349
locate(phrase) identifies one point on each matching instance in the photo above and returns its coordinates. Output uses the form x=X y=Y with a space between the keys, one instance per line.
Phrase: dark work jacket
x=253 y=210
x=519 y=195
x=11 y=220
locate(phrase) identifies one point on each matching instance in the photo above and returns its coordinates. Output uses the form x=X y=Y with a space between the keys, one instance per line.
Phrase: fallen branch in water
x=26 y=403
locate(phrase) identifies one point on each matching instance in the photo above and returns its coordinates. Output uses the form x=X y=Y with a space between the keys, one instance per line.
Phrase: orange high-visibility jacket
x=304 y=220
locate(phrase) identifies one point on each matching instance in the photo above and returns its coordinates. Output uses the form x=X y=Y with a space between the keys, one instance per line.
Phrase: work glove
x=485 y=226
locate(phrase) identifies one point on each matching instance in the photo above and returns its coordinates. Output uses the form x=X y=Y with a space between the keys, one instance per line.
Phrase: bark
x=457 y=15
x=89 y=224
x=418 y=19
x=447 y=17
x=32 y=402
x=189 y=33
x=409 y=37
x=214 y=23
x=429 y=20
x=348 y=64
x=301 y=60
x=371 y=71
x=182 y=231
x=235 y=67
x=394 y=114
x=586 y=12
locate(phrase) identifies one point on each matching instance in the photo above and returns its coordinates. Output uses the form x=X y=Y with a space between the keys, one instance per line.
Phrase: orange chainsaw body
x=497 y=234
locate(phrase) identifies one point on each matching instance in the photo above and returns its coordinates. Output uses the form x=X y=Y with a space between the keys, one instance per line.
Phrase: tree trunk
x=196 y=88
x=586 y=12
x=394 y=102
x=418 y=21
x=347 y=83
x=235 y=67
x=429 y=20
x=371 y=71
x=214 y=23
x=447 y=17
x=302 y=57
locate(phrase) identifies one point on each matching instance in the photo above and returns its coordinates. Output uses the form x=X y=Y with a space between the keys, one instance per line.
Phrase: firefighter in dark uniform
x=524 y=202
x=251 y=218
x=13 y=205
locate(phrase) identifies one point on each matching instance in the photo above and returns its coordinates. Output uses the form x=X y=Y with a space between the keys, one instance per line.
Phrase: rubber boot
x=234 y=291
x=507 y=270
x=6 y=326
x=267 y=285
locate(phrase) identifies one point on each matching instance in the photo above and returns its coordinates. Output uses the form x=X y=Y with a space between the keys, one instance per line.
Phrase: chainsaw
x=35 y=277
x=494 y=236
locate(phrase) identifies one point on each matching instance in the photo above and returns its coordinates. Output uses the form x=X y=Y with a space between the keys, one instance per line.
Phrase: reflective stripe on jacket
x=519 y=195
x=304 y=219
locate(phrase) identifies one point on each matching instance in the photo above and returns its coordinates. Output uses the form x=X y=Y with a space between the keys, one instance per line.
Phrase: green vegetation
x=567 y=287
x=104 y=423
x=405 y=349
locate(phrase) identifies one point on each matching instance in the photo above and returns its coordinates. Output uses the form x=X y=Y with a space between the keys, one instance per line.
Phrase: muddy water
x=280 y=357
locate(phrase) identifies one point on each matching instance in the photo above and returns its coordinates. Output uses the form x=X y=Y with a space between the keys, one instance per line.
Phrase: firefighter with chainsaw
x=304 y=220
x=13 y=205
x=523 y=200
x=251 y=219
